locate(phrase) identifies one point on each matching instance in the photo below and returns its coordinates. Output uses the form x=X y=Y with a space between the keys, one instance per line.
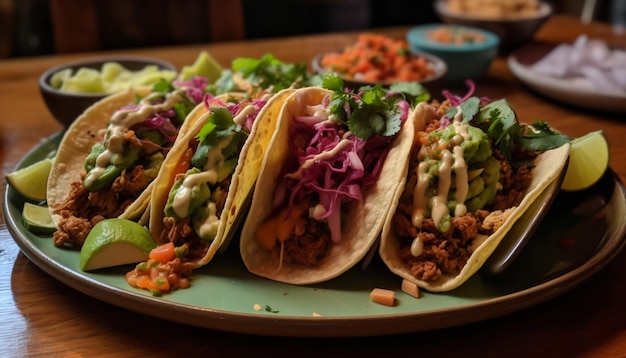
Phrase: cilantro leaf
x=220 y=125
x=469 y=109
x=499 y=121
x=163 y=86
x=366 y=122
x=541 y=137
x=413 y=92
x=372 y=111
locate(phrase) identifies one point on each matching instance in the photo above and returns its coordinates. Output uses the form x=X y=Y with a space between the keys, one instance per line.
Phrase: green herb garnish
x=499 y=121
x=219 y=126
x=373 y=110
x=267 y=72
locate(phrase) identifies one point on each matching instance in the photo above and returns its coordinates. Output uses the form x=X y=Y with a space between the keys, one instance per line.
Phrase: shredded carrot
x=377 y=58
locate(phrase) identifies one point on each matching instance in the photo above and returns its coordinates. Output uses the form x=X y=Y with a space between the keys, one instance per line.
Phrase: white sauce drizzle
x=344 y=142
x=124 y=119
x=440 y=201
x=181 y=201
x=240 y=118
x=451 y=160
x=209 y=226
x=417 y=247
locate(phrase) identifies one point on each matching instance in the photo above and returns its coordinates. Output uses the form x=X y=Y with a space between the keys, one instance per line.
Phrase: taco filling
x=198 y=195
x=337 y=149
x=126 y=158
x=193 y=202
x=471 y=167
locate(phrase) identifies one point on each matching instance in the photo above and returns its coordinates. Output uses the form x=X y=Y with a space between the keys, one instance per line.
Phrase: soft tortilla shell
x=548 y=166
x=77 y=143
x=243 y=179
x=364 y=219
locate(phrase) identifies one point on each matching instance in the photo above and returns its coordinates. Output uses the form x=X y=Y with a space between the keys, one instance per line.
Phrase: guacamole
x=457 y=173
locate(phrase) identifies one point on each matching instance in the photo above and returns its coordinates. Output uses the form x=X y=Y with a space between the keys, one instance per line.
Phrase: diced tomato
x=163 y=253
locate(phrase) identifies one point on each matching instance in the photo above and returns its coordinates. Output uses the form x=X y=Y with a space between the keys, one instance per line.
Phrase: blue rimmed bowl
x=467 y=59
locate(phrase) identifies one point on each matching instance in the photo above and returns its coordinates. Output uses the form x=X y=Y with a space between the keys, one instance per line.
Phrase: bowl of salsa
x=378 y=59
x=467 y=51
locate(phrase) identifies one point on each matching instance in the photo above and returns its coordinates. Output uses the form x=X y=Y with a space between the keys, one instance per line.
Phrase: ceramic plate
x=224 y=296
x=562 y=90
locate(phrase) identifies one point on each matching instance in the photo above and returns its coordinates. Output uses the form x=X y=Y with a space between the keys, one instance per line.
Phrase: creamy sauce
x=417 y=247
x=344 y=142
x=419 y=195
x=240 y=118
x=124 y=119
x=209 y=226
x=215 y=156
x=440 y=201
x=181 y=201
x=451 y=160
x=462 y=184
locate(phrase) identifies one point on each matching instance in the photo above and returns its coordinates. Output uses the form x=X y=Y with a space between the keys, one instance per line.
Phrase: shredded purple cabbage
x=336 y=176
x=161 y=123
x=162 y=120
x=195 y=87
x=456 y=100
x=234 y=108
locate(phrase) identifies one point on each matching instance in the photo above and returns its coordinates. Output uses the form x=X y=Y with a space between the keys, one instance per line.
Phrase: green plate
x=580 y=234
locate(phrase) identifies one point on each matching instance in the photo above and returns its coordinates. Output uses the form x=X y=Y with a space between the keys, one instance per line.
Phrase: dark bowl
x=67 y=106
x=513 y=31
x=434 y=84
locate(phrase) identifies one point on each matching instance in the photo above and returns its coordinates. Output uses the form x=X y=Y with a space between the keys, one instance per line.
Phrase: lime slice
x=115 y=242
x=37 y=219
x=31 y=181
x=588 y=161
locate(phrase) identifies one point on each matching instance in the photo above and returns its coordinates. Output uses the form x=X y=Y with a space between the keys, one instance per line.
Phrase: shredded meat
x=309 y=243
x=82 y=209
x=447 y=252
x=514 y=182
x=181 y=233
x=444 y=252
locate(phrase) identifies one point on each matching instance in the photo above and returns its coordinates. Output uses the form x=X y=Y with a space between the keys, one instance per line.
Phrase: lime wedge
x=588 y=161
x=37 y=219
x=205 y=65
x=115 y=242
x=31 y=181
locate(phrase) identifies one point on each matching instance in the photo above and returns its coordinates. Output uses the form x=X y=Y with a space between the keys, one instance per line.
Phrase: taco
x=203 y=185
x=472 y=172
x=327 y=178
x=110 y=155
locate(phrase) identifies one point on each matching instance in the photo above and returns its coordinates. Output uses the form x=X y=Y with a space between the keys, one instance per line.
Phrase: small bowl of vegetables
x=378 y=59
x=468 y=51
x=69 y=89
x=514 y=21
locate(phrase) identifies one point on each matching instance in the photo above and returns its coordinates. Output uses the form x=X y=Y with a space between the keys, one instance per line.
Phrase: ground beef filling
x=83 y=209
x=307 y=245
x=447 y=253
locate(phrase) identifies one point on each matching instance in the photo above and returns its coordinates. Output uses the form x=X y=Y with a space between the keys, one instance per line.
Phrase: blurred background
x=39 y=27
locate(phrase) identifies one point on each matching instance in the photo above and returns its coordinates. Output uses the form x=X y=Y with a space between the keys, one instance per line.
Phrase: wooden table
x=43 y=317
